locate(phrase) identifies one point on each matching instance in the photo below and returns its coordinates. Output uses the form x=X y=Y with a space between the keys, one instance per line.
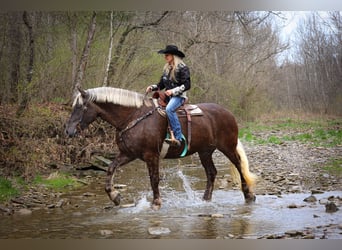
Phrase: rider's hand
x=168 y=92
x=148 y=89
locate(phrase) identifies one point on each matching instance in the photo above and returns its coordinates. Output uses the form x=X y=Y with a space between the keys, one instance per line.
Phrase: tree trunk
x=105 y=80
x=15 y=45
x=84 y=58
x=73 y=45
x=25 y=94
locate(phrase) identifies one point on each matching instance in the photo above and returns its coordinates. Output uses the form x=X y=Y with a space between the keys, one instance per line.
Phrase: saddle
x=187 y=110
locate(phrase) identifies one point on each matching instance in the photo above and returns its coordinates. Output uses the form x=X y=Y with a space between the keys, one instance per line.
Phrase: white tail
x=248 y=176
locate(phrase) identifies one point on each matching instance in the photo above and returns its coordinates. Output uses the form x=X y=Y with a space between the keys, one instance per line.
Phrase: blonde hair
x=176 y=62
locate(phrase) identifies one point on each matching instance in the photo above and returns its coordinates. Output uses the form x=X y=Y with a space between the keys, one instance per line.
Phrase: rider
x=176 y=81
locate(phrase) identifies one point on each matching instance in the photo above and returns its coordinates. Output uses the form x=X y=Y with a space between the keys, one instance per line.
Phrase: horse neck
x=117 y=115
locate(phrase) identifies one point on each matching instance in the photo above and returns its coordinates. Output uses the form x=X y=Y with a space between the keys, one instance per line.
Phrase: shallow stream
x=88 y=213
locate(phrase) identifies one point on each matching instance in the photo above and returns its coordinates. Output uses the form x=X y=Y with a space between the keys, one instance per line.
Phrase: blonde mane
x=122 y=97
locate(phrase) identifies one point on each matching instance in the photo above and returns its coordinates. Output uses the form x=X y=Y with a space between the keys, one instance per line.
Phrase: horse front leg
x=113 y=194
x=153 y=170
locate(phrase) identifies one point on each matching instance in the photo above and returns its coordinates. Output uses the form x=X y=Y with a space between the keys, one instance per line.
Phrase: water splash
x=142 y=205
x=191 y=195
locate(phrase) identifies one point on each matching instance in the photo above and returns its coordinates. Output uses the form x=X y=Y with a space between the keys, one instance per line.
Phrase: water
x=183 y=215
x=191 y=195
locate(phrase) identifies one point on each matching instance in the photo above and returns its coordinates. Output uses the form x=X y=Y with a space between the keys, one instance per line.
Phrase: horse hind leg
x=241 y=173
x=210 y=171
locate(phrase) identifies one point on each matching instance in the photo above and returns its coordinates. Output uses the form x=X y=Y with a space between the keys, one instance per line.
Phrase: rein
x=135 y=122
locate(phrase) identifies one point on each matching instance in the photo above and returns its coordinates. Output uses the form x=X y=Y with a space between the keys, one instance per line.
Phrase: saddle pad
x=194 y=109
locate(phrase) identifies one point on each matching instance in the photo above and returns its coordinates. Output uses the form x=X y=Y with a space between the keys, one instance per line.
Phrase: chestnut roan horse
x=141 y=131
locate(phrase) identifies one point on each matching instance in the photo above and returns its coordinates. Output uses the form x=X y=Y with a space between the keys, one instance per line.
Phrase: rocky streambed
x=296 y=198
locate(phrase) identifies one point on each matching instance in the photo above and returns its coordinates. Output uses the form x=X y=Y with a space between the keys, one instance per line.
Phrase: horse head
x=82 y=115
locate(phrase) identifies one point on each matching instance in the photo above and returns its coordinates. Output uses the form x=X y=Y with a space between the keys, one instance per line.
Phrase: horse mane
x=118 y=96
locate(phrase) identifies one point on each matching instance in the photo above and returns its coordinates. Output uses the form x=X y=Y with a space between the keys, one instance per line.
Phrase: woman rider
x=176 y=81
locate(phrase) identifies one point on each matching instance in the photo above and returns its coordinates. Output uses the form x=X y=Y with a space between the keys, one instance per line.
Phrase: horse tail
x=248 y=176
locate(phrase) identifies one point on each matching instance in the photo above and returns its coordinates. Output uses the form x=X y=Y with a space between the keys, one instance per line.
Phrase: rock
x=127 y=205
x=231 y=236
x=316 y=216
x=311 y=198
x=106 y=232
x=340 y=226
x=88 y=194
x=294 y=233
x=217 y=216
x=292 y=206
x=330 y=207
x=158 y=230
x=315 y=191
x=120 y=186
x=60 y=203
x=309 y=236
x=6 y=210
x=24 y=211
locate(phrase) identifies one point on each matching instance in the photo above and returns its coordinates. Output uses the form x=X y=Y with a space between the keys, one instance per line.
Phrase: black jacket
x=178 y=87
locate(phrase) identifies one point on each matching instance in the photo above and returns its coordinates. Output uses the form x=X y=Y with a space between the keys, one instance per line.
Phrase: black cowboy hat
x=173 y=50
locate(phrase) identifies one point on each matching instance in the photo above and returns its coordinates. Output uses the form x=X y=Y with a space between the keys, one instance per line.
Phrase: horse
x=141 y=131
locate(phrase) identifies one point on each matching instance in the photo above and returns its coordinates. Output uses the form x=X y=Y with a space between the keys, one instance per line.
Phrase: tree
x=84 y=58
x=29 y=74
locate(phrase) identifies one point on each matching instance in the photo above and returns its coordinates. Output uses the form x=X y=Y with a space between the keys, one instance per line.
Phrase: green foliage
x=56 y=181
x=314 y=132
x=7 y=190
x=334 y=166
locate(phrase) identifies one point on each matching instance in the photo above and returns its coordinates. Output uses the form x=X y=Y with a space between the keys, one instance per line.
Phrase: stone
x=311 y=198
x=217 y=216
x=24 y=211
x=120 y=186
x=331 y=207
x=158 y=230
x=88 y=194
x=60 y=203
x=294 y=233
x=292 y=206
x=128 y=205
x=315 y=191
x=106 y=232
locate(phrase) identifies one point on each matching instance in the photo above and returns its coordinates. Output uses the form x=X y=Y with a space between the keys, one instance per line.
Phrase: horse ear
x=83 y=92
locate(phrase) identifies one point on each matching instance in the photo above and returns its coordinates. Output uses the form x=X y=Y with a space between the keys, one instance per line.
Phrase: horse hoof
x=115 y=196
x=156 y=205
x=117 y=200
x=250 y=198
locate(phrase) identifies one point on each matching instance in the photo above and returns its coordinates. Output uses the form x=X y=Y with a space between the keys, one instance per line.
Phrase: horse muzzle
x=70 y=132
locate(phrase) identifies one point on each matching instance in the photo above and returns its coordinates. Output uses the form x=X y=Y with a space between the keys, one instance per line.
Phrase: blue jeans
x=174 y=103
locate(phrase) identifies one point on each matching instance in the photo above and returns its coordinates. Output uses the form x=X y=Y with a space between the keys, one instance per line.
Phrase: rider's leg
x=174 y=103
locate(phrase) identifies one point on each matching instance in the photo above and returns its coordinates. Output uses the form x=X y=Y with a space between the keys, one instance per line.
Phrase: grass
x=7 y=191
x=325 y=133
x=334 y=166
x=9 y=188
x=56 y=181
